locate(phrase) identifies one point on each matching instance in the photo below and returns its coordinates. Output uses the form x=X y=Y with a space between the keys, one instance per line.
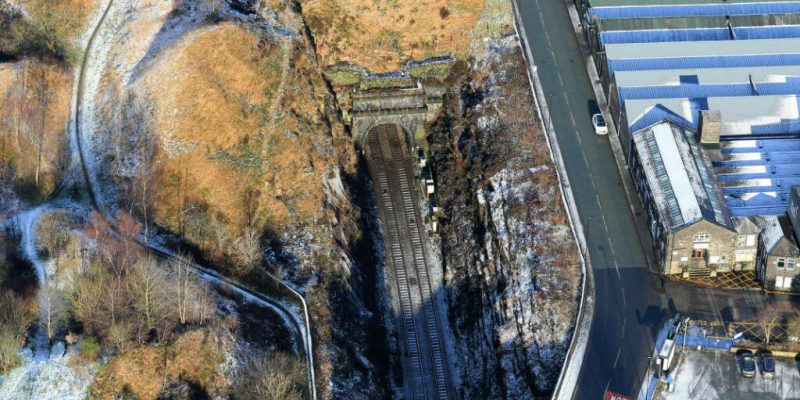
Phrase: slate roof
x=678 y=174
x=776 y=235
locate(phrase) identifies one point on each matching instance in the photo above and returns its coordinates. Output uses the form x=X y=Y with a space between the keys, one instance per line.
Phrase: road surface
x=630 y=303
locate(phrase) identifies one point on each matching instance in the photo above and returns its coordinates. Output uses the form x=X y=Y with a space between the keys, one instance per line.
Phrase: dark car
x=767 y=364
x=747 y=363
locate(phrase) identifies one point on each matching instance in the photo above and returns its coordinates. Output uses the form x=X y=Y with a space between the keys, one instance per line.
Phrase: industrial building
x=705 y=95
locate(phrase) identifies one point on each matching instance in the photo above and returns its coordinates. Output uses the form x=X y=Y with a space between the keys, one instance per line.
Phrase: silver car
x=747 y=363
x=599 y=124
x=767 y=364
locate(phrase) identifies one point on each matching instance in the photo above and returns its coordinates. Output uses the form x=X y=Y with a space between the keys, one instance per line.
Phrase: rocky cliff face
x=512 y=268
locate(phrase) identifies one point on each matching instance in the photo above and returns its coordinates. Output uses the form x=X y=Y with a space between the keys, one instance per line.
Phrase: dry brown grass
x=144 y=371
x=381 y=34
x=238 y=147
x=208 y=93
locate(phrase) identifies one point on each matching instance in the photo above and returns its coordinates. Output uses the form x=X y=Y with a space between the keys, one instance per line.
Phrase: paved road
x=630 y=302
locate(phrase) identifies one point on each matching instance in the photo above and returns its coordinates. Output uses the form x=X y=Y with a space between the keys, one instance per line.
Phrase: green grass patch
x=89 y=349
x=388 y=82
x=430 y=71
x=343 y=76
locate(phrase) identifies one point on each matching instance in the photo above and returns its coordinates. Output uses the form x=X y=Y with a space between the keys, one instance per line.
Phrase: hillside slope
x=216 y=127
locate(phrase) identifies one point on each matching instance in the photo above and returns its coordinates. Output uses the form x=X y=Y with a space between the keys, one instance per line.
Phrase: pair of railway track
x=426 y=366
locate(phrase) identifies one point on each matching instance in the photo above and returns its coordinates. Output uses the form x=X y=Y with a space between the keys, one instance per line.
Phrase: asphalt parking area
x=711 y=375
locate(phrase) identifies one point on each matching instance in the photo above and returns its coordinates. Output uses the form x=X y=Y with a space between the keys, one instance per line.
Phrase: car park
x=767 y=364
x=599 y=124
x=747 y=364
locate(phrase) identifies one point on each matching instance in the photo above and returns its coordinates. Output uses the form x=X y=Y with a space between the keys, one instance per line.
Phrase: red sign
x=615 y=396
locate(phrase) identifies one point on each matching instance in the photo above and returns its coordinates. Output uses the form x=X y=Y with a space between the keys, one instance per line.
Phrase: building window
x=783 y=282
x=790 y=264
x=781 y=263
x=701 y=237
x=745 y=240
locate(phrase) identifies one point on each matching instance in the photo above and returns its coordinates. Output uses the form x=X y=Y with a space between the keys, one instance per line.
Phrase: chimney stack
x=710 y=127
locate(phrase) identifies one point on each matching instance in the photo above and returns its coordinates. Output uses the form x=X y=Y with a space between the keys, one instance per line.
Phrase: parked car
x=599 y=124
x=767 y=364
x=747 y=364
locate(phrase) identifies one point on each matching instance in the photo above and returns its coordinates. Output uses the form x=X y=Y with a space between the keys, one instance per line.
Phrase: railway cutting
x=388 y=135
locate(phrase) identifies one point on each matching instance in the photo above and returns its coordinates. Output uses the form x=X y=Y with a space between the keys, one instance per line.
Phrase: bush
x=46 y=31
x=278 y=376
x=89 y=349
x=14 y=322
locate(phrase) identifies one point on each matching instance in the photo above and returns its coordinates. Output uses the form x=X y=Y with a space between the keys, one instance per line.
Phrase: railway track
x=425 y=367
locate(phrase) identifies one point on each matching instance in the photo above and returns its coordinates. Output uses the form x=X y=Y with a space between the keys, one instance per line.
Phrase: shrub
x=14 y=322
x=45 y=32
x=275 y=377
x=89 y=349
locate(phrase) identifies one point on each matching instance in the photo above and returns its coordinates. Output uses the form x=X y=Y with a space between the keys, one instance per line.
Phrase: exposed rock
x=512 y=266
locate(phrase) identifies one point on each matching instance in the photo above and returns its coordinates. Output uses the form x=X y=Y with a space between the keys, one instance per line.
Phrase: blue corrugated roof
x=769 y=196
x=704 y=62
x=791 y=86
x=756 y=184
x=660 y=113
x=694 y=10
x=685 y=35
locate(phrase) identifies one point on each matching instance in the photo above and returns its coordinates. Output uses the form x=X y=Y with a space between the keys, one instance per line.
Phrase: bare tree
x=136 y=146
x=43 y=101
x=185 y=287
x=51 y=307
x=771 y=317
x=204 y=303
x=278 y=376
x=147 y=287
x=248 y=250
x=88 y=303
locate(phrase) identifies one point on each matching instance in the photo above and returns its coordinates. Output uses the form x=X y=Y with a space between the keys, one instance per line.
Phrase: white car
x=599 y=124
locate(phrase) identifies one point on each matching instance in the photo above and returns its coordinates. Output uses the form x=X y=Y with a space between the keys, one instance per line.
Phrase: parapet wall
x=408 y=107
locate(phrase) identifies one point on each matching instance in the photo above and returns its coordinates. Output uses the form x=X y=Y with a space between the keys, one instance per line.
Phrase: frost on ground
x=57 y=376
x=512 y=267
x=232 y=105
x=714 y=375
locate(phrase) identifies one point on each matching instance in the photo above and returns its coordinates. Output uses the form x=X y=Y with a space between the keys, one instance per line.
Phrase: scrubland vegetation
x=118 y=293
x=380 y=35
x=40 y=47
x=34 y=112
x=46 y=31
x=17 y=300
